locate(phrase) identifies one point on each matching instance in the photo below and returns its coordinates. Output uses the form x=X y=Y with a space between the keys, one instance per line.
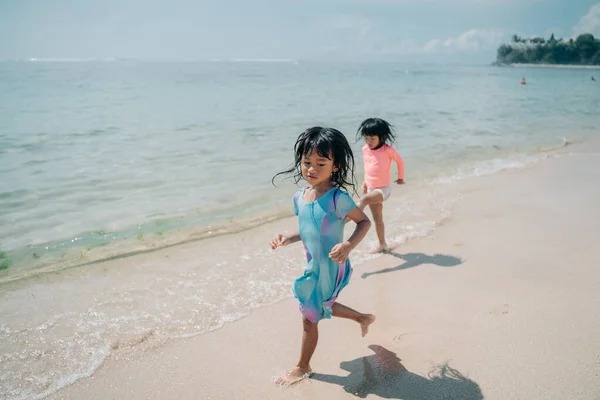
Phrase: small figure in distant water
x=523 y=81
x=323 y=157
x=378 y=154
x=594 y=79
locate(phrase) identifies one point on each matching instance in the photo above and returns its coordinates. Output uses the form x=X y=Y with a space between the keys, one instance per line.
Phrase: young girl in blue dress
x=324 y=159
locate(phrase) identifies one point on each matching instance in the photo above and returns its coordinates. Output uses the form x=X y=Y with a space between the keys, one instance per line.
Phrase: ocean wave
x=496 y=165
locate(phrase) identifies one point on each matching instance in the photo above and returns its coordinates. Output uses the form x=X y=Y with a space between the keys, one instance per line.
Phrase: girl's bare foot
x=367 y=320
x=381 y=249
x=293 y=376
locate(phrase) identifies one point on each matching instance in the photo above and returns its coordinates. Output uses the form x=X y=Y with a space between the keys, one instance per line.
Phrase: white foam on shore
x=488 y=167
x=495 y=165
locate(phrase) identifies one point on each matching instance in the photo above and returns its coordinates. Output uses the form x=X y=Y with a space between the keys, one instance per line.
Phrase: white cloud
x=470 y=41
x=589 y=23
x=357 y=35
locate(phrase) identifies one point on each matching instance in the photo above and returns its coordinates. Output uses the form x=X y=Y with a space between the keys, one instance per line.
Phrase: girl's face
x=316 y=169
x=372 y=141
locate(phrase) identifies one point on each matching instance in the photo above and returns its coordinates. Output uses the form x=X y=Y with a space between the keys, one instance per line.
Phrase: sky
x=362 y=30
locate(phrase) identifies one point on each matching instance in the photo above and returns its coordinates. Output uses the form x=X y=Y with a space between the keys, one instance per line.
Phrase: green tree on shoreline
x=584 y=50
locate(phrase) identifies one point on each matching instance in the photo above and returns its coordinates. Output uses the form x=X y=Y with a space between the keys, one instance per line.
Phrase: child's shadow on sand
x=416 y=259
x=383 y=375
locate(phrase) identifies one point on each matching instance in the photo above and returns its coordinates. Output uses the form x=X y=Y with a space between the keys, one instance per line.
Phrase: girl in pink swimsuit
x=378 y=155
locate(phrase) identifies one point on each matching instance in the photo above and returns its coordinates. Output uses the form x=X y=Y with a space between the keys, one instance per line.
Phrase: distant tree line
x=584 y=50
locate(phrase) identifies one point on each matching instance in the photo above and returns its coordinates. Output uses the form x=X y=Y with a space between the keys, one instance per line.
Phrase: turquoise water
x=103 y=158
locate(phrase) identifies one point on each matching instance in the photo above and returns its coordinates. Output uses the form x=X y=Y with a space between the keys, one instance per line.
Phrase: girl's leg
x=310 y=337
x=341 y=311
x=373 y=197
x=377 y=211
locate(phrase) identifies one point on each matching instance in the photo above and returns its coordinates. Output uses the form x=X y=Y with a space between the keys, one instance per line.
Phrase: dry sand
x=501 y=302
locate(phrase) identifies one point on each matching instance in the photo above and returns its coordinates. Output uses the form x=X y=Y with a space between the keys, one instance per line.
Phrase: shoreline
x=510 y=287
x=149 y=242
x=557 y=66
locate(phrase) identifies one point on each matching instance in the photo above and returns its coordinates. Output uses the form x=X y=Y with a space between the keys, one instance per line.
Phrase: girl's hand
x=364 y=188
x=339 y=252
x=279 y=241
x=400 y=181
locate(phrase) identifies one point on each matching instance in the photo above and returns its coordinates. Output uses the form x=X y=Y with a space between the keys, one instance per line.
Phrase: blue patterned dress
x=321 y=225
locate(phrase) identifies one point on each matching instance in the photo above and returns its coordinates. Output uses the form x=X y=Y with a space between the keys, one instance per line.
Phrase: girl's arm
x=399 y=162
x=362 y=226
x=284 y=240
x=339 y=252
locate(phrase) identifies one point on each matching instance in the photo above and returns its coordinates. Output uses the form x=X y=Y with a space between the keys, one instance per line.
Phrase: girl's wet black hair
x=329 y=143
x=376 y=127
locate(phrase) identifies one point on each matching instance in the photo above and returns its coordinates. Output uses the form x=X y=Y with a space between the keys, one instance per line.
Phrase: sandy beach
x=500 y=302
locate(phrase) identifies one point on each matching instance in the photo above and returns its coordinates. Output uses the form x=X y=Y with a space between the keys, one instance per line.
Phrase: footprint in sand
x=400 y=337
